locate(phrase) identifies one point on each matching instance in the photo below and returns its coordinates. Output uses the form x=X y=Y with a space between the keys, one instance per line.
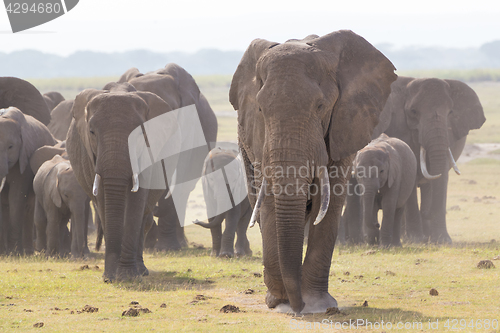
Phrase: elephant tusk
x=423 y=166
x=260 y=199
x=170 y=191
x=325 y=195
x=135 y=182
x=97 y=181
x=452 y=160
x=3 y=183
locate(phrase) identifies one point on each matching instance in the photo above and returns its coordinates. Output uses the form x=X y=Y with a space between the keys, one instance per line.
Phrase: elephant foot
x=240 y=253
x=442 y=239
x=127 y=273
x=226 y=254
x=143 y=270
x=317 y=303
x=273 y=302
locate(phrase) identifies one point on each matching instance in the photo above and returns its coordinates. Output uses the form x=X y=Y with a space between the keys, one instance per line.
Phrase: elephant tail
x=100 y=235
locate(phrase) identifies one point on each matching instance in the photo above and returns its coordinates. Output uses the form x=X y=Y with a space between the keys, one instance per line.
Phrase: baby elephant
x=226 y=199
x=386 y=170
x=59 y=197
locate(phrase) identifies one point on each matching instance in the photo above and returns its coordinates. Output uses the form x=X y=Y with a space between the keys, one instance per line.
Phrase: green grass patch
x=395 y=283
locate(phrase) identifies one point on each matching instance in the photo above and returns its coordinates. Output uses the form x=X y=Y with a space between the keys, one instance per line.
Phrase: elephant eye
x=320 y=106
x=10 y=147
x=92 y=132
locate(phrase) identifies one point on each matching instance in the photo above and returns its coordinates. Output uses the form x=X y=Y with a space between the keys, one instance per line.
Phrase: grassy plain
x=395 y=283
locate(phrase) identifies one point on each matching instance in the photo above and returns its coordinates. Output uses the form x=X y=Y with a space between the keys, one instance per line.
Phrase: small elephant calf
x=59 y=197
x=216 y=190
x=386 y=169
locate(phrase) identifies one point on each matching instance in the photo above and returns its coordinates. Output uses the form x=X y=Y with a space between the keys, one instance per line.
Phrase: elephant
x=178 y=88
x=98 y=146
x=60 y=197
x=129 y=74
x=20 y=136
x=386 y=170
x=61 y=117
x=305 y=107
x=53 y=99
x=238 y=216
x=433 y=116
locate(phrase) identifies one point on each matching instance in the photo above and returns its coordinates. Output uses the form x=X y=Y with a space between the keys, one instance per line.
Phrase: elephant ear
x=129 y=74
x=395 y=104
x=81 y=116
x=394 y=165
x=244 y=83
x=186 y=86
x=52 y=180
x=467 y=110
x=364 y=76
x=24 y=96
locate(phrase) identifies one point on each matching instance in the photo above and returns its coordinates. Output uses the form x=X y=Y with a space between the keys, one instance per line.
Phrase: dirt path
x=480 y=150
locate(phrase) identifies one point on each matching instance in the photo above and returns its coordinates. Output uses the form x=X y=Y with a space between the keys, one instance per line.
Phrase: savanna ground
x=186 y=290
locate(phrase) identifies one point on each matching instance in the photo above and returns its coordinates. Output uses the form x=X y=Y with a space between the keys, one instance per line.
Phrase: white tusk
x=95 y=188
x=423 y=166
x=3 y=183
x=325 y=195
x=260 y=199
x=452 y=160
x=135 y=182
x=170 y=191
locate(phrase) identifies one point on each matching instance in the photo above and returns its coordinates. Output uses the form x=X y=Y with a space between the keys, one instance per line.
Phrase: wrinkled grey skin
x=178 y=88
x=316 y=99
x=386 y=170
x=59 y=197
x=20 y=136
x=52 y=99
x=61 y=118
x=237 y=218
x=436 y=115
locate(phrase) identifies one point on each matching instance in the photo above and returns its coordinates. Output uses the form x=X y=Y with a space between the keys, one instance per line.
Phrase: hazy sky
x=165 y=26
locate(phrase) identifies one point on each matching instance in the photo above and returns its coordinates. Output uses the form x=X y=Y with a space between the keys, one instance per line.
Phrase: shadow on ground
x=165 y=281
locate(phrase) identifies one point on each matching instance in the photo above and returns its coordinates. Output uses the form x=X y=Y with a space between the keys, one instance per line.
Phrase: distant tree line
x=35 y=64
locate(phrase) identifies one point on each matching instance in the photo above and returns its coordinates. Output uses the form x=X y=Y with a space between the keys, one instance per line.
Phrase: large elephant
x=178 y=88
x=20 y=136
x=385 y=170
x=97 y=144
x=59 y=197
x=305 y=107
x=236 y=214
x=433 y=117
x=61 y=117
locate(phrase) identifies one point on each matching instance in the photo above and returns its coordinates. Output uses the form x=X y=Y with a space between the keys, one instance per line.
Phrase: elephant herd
x=311 y=113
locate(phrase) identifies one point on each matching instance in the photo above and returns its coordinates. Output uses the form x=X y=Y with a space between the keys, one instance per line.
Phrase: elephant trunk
x=114 y=211
x=290 y=214
x=434 y=151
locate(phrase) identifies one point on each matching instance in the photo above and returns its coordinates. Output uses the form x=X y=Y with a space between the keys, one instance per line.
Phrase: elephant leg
x=353 y=216
x=232 y=218
x=425 y=208
x=276 y=292
x=88 y=218
x=413 y=224
x=140 y=259
x=167 y=228
x=65 y=241
x=371 y=227
x=181 y=235
x=396 y=231
x=242 y=246
x=150 y=241
x=439 y=232
x=41 y=227
x=54 y=231
x=389 y=212
x=216 y=232
x=317 y=262
x=18 y=201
